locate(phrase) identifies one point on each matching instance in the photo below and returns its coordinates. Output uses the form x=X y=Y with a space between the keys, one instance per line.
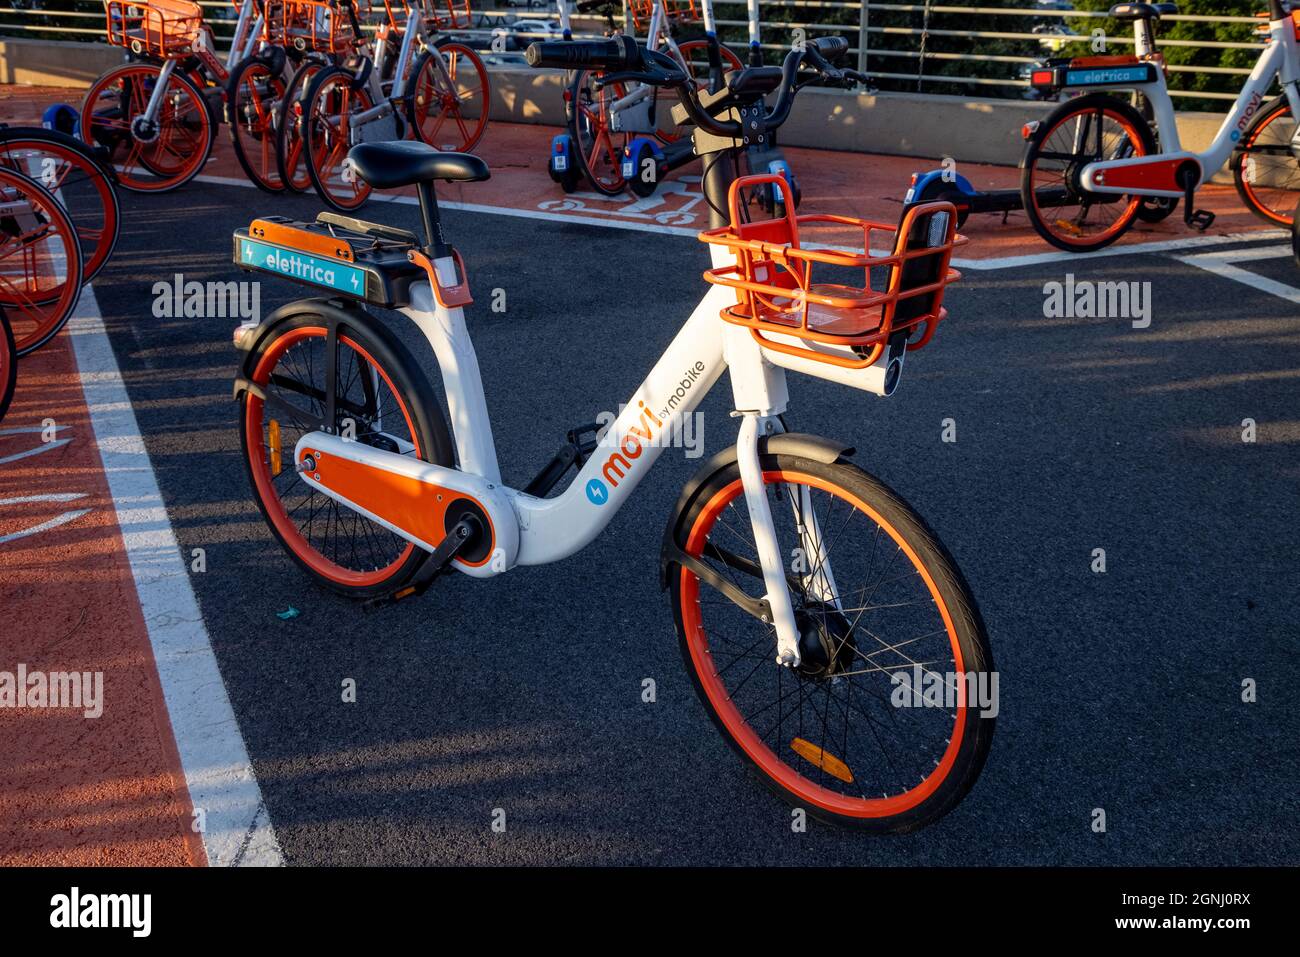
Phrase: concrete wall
x=971 y=129
x=55 y=62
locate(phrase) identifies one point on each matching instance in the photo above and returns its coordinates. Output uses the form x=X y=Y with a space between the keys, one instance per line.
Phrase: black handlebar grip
x=831 y=47
x=614 y=54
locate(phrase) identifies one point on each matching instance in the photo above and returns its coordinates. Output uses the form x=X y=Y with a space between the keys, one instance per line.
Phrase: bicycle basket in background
x=678 y=11
x=160 y=28
x=784 y=292
x=321 y=25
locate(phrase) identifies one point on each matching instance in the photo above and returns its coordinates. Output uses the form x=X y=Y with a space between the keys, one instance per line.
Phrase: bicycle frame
x=527 y=530
x=414 y=37
x=1157 y=175
x=244 y=43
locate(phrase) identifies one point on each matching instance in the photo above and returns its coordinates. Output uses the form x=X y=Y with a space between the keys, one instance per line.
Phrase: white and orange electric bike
x=829 y=634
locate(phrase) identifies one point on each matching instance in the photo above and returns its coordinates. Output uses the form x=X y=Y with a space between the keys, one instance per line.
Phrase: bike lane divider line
x=92 y=776
x=1221 y=264
x=212 y=752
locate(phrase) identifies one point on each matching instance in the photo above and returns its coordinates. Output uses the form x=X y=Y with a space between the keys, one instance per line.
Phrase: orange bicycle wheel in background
x=254 y=97
x=289 y=158
x=877 y=600
x=450 y=98
x=598 y=149
x=150 y=157
x=390 y=406
x=85 y=188
x=328 y=106
x=1264 y=170
x=8 y=364
x=1078 y=132
x=40 y=261
x=695 y=53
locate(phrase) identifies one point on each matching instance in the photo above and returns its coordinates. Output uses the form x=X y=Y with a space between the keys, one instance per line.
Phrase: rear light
x=1028 y=129
x=915 y=177
x=1041 y=78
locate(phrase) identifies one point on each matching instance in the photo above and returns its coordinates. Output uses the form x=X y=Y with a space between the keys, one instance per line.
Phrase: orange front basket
x=793 y=297
x=160 y=28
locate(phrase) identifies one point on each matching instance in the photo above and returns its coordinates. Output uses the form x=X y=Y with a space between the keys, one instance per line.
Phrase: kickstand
x=460 y=535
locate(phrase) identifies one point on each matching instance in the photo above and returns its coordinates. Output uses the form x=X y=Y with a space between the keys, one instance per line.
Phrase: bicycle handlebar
x=617 y=53
x=623 y=61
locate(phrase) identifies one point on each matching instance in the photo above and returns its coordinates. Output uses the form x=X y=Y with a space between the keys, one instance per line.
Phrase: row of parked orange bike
x=303 y=80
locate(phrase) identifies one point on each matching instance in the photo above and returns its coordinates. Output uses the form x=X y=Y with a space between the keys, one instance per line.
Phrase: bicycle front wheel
x=450 y=98
x=289 y=159
x=40 y=261
x=66 y=167
x=882 y=725
x=380 y=398
x=1264 y=169
x=1081 y=131
x=151 y=156
x=254 y=96
x=8 y=365
x=598 y=148
x=328 y=107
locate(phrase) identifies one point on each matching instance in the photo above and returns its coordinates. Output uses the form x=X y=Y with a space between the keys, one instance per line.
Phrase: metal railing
x=904 y=46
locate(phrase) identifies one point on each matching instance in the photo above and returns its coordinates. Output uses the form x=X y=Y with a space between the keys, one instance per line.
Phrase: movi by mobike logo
x=648 y=431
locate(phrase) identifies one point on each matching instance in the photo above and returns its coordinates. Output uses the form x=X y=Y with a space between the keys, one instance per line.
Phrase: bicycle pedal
x=1200 y=220
x=584 y=446
x=459 y=536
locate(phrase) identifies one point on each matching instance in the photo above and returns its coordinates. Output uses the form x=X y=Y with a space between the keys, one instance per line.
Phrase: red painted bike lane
x=106 y=790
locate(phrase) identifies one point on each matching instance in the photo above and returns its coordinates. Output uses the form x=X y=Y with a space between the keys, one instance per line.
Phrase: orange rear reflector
x=827 y=762
x=273 y=442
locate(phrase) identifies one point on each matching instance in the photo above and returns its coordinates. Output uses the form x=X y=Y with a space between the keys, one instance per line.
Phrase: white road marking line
x=1003 y=262
x=1164 y=245
x=61 y=519
x=1221 y=264
x=34 y=450
x=217 y=769
x=50 y=497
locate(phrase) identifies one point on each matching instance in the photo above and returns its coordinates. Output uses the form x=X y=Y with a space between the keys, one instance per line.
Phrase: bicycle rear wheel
x=328 y=106
x=40 y=261
x=254 y=96
x=880 y=605
x=381 y=398
x=69 y=169
x=151 y=157
x=8 y=365
x=450 y=98
x=1078 y=132
x=1264 y=169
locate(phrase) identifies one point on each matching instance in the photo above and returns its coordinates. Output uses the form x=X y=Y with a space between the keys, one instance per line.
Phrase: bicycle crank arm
x=457 y=541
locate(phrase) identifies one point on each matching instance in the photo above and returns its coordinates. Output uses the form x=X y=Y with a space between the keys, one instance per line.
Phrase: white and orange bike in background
x=803 y=588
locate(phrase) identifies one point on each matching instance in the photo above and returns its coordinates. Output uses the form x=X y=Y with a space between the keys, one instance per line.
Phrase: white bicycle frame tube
x=412 y=34
x=1280 y=58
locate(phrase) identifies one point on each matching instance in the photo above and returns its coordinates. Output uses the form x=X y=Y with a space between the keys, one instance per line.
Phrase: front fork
x=811 y=563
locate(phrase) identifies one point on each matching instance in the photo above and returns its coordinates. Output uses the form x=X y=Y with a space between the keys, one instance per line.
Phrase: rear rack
x=350 y=257
x=787 y=311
